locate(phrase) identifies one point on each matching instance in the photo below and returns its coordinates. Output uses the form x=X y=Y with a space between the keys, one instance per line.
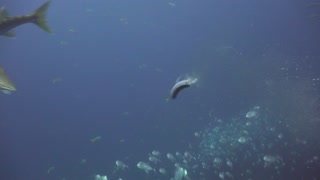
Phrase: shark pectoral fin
x=41 y=17
x=10 y=34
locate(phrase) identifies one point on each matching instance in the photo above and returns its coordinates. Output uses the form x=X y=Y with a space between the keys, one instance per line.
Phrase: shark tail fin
x=41 y=17
x=3 y=13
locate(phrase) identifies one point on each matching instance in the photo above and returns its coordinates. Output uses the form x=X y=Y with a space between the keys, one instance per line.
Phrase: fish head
x=192 y=80
x=189 y=79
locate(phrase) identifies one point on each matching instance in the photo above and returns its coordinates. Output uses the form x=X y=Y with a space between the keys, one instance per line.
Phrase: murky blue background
x=115 y=63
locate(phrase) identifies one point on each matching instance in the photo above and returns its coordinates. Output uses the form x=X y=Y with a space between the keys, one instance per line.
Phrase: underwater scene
x=159 y=90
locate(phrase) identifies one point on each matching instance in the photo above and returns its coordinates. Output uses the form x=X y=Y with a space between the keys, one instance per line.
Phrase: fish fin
x=41 y=17
x=179 y=78
x=10 y=34
x=7 y=92
x=3 y=12
x=2 y=72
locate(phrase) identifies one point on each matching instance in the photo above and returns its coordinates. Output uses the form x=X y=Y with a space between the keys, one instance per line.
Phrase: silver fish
x=182 y=85
x=144 y=166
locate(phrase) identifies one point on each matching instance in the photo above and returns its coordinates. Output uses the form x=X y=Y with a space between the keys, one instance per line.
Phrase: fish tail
x=41 y=17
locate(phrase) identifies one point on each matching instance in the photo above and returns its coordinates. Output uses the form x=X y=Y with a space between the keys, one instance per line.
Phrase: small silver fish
x=121 y=165
x=154 y=159
x=145 y=166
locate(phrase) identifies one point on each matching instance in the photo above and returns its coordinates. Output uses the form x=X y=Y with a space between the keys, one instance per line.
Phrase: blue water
x=116 y=61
